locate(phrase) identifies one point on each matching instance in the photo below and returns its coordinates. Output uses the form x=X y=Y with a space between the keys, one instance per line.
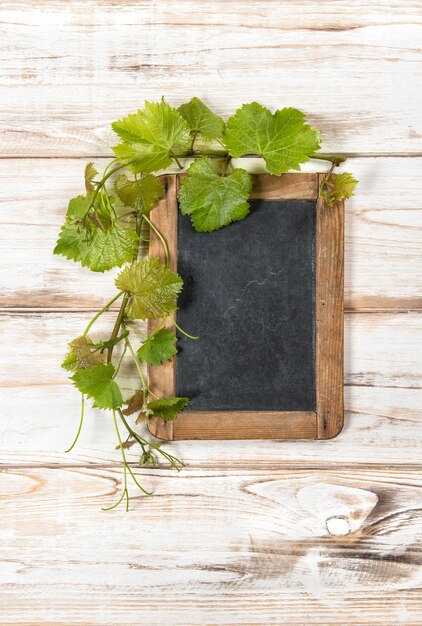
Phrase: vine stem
x=326 y=180
x=138 y=366
x=104 y=178
x=125 y=490
x=117 y=324
x=81 y=421
x=161 y=238
x=181 y=329
x=101 y=311
x=173 y=156
x=171 y=459
x=194 y=136
x=334 y=158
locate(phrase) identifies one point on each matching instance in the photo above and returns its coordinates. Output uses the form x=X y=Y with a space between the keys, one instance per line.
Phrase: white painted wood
x=252 y=532
x=70 y=68
x=212 y=547
x=40 y=408
x=383 y=266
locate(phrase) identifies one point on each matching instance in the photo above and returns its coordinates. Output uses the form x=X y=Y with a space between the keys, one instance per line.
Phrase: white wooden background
x=250 y=532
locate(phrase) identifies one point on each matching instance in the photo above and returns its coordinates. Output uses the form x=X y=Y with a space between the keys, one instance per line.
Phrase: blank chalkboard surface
x=250 y=296
x=265 y=296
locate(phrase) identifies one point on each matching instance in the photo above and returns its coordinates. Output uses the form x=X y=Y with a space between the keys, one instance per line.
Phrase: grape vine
x=107 y=228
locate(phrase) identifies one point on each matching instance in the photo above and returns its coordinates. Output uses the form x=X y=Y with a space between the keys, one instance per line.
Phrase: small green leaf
x=211 y=200
x=97 y=382
x=78 y=208
x=202 y=120
x=73 y=242
x=81 y=355
x=283 y=139
x=154 y=288
x=143 y=194
x=158 y=348
x=90 y=174
x=168 y=408
x=149 y=137
x=340 y=187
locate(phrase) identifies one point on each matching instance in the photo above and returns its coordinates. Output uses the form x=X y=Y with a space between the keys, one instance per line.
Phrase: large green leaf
x=149 y=137
x=283 y=139
x=202 y=120
x=98 y=249
x=211 y=200
x=158 y=348
x=168 y=408
x=142 y=194
x=154 y=288
x=97 y=382
x=78 y=208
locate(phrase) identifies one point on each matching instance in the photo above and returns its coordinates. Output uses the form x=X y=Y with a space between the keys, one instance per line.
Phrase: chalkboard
x=265 y=296
x=250 y=296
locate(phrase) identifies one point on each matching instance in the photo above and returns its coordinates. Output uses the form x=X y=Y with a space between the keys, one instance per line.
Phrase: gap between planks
x=37 y=310
x=346 y=155
x=231 y=466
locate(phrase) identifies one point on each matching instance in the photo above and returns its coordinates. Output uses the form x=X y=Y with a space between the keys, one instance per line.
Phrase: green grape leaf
x=149 y=137
x=78 y=208
x=90 y=174
x=98 y=249
x=97 y=382
x=202 y=120
x=158 y=348
x=283 y=139
x=154 y=288
x=168 y=408
x=81 y=355
x=211 y=200
x=340 y=187
x=73 y=242
x=134 y=404
x=111 y=248
x=143 y=194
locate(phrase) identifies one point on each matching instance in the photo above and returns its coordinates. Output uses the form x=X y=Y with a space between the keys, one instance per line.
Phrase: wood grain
x=162 y=379
x=382 y=225
x=69 y=73
x=329 y=304
x=40 y=408
x=259 y=547
x=245 y=425
x=249 y=536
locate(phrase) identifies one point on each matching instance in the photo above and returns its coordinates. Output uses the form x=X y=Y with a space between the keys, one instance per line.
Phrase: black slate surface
x=249 y=293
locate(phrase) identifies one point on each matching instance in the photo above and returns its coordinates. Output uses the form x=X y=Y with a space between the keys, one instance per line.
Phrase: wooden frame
x=327 y=421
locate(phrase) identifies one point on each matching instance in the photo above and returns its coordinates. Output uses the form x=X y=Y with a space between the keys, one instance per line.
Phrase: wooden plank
x=40 y=408
x=96 y=61
x=329 y=304
x=383 y=238
x=212 y=547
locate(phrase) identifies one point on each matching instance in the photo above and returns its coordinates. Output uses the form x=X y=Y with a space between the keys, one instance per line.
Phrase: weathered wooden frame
x=327 y=421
